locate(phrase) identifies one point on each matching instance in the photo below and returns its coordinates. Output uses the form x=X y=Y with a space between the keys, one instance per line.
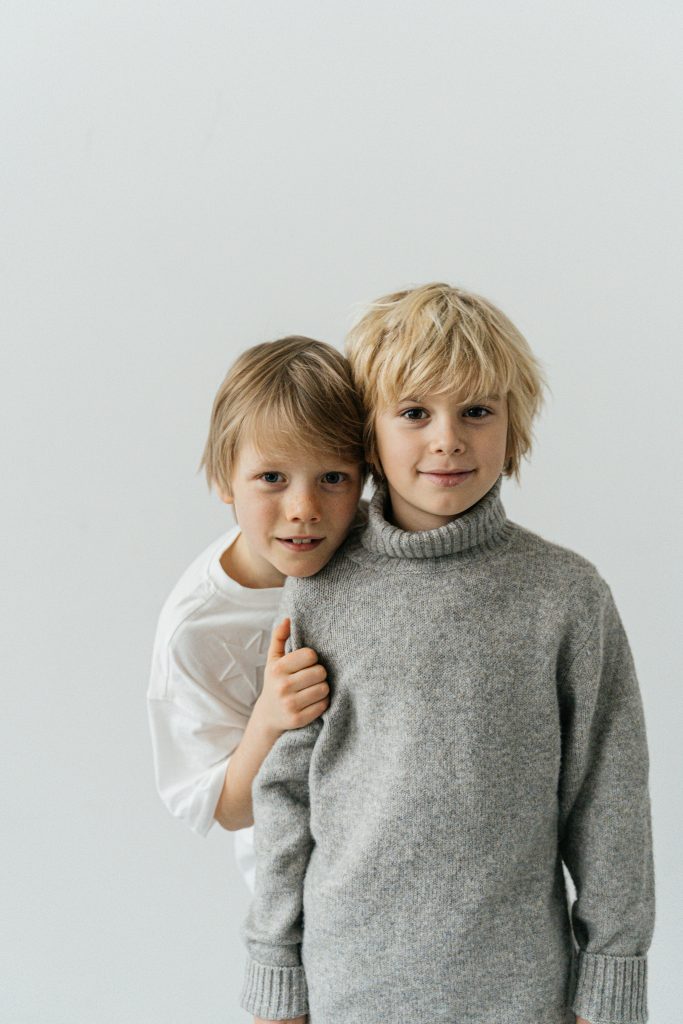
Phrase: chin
x=308 y=572
x=450 y=505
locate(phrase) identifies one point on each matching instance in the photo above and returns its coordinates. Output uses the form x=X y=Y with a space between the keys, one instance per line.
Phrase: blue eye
x=270 y=474
x=340 y=477
x=407 y=414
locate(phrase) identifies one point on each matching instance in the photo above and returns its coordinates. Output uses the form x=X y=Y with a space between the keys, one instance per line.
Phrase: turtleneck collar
x=483 y=525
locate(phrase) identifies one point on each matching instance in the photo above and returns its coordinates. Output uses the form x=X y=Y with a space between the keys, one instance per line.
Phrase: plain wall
x=181 y=181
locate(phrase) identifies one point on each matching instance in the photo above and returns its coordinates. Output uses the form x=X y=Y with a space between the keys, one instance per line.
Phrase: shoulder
x=303 y=590
x=193 y=589
x=553 y=562
x=565 y=586
x=201 y=628
x=313 y=603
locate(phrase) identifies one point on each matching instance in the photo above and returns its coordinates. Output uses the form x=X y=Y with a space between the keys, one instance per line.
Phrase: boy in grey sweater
x=485 y=726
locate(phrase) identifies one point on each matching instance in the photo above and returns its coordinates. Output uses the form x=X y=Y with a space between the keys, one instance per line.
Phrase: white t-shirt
x=207 y=672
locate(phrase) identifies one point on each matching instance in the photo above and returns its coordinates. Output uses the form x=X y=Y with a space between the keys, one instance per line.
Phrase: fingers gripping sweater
x=485 y=725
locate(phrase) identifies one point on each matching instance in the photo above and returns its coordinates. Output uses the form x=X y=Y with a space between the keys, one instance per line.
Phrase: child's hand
x=294 y=688
x=290 y=1020
x=582 y=1020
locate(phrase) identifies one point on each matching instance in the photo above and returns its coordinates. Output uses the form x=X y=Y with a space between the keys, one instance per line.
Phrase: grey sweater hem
x=274 y=993
x=611 y=989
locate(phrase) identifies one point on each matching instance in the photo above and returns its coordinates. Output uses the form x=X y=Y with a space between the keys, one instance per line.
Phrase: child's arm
x=197 y=722
x=294 y=692
x=604 y=826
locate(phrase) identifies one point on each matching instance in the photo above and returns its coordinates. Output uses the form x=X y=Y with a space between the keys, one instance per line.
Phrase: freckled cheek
x=343 y=509
x=263 y=516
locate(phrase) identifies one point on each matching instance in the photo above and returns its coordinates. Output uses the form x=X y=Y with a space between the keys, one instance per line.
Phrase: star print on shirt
x=247 y=661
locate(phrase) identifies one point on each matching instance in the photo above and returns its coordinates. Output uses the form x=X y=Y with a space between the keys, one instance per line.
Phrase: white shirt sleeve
x=190 y=760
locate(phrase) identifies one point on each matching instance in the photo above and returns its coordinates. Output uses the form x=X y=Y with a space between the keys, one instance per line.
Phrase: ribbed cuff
x=611 y=989
x=274 y=993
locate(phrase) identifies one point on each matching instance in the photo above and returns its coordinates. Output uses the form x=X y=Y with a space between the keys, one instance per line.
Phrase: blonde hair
x=437 y=338
x=293 y=394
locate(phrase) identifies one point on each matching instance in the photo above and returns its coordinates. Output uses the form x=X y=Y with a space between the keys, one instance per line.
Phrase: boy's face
x=296 y=496
x=422 y=444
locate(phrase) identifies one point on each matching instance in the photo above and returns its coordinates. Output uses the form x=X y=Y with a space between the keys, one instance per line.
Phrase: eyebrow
x=481 y=398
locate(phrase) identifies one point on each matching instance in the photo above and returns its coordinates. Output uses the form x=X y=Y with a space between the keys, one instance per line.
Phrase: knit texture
x=485 y=725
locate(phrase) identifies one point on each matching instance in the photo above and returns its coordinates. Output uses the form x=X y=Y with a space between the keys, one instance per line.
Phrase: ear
x=224 y=495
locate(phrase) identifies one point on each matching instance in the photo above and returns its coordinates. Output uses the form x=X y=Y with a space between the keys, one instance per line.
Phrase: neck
x=482 y=525
x=239 y=564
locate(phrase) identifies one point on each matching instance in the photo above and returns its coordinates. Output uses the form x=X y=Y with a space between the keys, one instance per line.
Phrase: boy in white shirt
x=285 y=449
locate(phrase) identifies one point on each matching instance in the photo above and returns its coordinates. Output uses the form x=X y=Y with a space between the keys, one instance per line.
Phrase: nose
x=446 y=437
x=303 y=506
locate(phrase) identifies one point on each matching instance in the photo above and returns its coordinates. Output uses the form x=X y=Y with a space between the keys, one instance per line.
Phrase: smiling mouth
x=446 y=478
x=300 y=543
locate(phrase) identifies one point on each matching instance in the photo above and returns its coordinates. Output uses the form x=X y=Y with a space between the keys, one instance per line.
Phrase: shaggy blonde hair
x=290 y=395
x=441 y=339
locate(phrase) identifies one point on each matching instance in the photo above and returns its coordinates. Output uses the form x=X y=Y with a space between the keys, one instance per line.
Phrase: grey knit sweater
x=485 y=725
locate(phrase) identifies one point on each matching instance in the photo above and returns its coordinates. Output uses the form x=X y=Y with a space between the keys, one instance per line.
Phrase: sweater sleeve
x=275 y=983
x=605 y=823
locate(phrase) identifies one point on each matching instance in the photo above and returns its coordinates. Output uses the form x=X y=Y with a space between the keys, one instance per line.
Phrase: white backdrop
x=183 y=180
